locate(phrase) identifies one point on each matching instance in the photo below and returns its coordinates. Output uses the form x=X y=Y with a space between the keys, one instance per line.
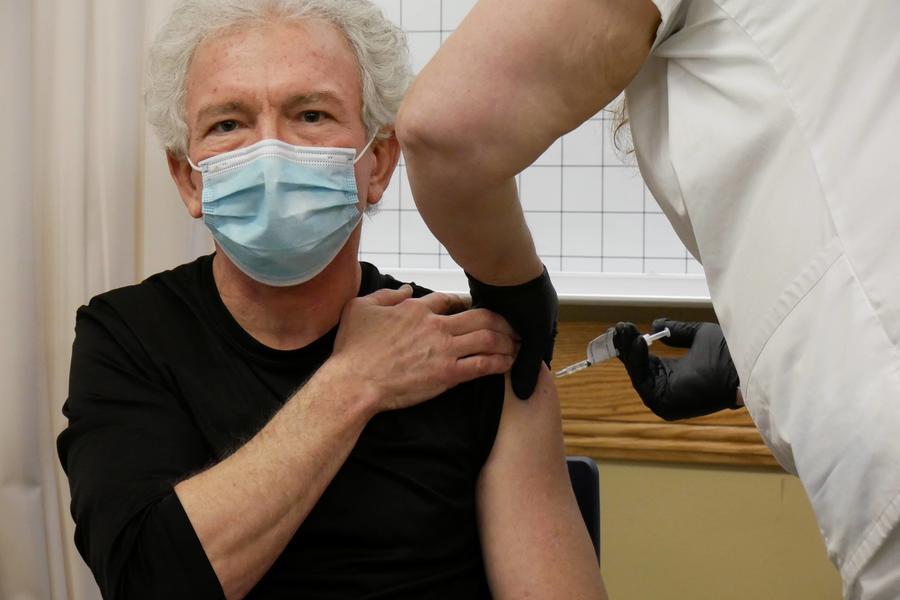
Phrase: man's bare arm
x=513 y=78
x=246 y=508
x=534 y=540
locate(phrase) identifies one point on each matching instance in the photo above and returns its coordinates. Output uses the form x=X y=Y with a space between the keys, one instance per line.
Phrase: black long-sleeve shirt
x=164 y=383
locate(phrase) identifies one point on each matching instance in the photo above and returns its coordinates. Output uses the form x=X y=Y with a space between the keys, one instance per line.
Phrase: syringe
x=602 y=349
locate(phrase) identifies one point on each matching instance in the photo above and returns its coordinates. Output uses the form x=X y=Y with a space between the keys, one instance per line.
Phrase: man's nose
x=269 y=126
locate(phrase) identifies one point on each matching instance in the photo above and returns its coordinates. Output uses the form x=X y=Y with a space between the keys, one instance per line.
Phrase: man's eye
x=311 y=116
x=225 y=126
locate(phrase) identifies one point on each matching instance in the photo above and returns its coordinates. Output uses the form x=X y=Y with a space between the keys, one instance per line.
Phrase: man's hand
x=702 y=382
x=532 y=308
x=407 y=350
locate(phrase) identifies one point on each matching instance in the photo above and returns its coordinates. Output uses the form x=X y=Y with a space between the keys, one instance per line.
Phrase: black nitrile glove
x=703 y=381
x=532 y=308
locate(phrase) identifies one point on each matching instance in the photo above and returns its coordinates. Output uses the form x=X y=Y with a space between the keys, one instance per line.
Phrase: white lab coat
x=769 y=132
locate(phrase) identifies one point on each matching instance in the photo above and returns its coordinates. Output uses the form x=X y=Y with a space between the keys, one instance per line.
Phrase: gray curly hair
x=380 y=49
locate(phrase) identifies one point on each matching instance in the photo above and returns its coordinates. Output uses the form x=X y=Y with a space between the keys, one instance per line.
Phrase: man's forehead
x=300 y=62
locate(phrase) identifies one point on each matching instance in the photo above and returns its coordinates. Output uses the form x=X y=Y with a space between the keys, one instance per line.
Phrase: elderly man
x=279 y=420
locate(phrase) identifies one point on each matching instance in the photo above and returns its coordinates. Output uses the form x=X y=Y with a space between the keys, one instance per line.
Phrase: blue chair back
x=585 y=479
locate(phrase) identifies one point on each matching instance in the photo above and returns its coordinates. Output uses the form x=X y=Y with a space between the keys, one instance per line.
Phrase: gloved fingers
x=525 y=370
x=633 y=353
x=548 y=350
x=669 y=397
x=624 y=336
x=711 y=334
x=720 y=356
x=532 y=309
x=652 y=389
x=682 y=332
x=638 y=364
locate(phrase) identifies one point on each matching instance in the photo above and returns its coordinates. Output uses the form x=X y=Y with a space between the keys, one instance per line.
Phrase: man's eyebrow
x=320 y=97
x=213 y=110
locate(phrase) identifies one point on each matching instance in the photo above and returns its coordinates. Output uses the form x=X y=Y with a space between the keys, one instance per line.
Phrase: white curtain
x=88 y=206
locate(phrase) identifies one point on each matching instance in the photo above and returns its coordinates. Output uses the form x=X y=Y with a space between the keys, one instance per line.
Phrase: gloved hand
x=532 y=308
x=701 y=382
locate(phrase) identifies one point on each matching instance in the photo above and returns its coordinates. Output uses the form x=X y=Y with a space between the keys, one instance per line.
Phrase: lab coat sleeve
x=671 y=19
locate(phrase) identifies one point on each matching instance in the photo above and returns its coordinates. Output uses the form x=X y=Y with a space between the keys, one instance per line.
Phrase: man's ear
x=387 y=155
x=189 y=184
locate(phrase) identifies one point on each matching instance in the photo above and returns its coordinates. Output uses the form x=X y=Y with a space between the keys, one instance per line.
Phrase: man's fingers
x=484 y=341
x=476 y=319
x=444 y=304
x=388 y=297
x=481 y=365
x=682 y=332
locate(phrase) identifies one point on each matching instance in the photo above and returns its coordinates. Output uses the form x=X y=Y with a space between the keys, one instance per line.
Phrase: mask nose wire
x=355 y=160
x=364 y=150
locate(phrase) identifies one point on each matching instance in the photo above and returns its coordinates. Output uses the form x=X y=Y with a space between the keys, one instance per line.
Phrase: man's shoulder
x=489 y=387
x=155 y=296
x=373 y=280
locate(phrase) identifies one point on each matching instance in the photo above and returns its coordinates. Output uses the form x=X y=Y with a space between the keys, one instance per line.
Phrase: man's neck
x=290 y=317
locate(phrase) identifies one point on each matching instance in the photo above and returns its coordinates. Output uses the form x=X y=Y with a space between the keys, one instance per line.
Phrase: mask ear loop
x=190 y=162
x=364 y=150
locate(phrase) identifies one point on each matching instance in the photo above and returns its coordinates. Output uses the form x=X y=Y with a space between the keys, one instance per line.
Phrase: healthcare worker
x=768 y=131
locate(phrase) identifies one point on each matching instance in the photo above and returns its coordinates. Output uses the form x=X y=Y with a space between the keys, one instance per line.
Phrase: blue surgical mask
x=281 y=213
